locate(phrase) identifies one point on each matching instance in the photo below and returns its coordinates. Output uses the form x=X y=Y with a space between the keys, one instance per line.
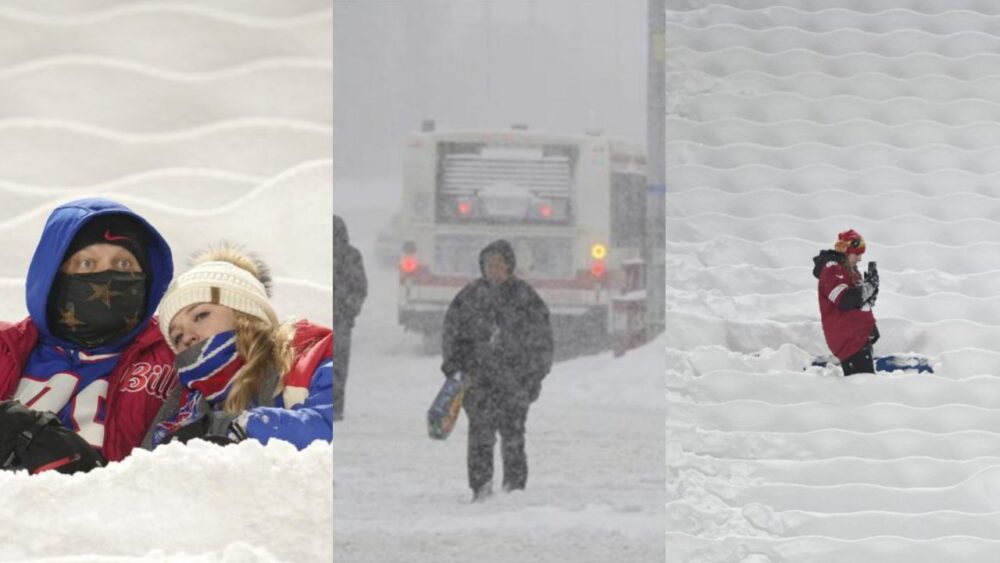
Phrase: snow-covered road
x=594 y=443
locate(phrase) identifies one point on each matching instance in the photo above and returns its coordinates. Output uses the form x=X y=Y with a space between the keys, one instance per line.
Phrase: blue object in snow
x=910 y=363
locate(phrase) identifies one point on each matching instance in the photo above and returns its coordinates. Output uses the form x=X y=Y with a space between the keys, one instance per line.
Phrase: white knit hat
x=220 y=283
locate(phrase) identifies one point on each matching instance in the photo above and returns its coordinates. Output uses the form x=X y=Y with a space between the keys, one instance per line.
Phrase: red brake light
x=408 y=264
x=545 y=210
x=598 y=269
x=464 y=207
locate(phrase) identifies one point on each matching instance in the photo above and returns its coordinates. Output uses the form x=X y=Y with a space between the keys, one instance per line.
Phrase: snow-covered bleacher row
x=789 y=121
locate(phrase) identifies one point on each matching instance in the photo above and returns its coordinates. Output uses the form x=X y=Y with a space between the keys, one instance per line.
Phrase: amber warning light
x=598 y=251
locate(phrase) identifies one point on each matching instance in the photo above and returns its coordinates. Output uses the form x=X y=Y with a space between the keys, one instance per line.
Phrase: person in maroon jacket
x=845 y=303
x=82 y=377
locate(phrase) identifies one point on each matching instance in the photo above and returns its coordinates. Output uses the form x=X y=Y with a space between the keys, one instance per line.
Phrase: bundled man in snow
x=497 y=334
x=83 y=376
x=350 y=287
x=845 y=303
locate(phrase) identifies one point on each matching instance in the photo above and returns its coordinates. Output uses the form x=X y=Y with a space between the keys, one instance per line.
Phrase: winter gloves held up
x=869 y=292
x=869 y=288
x=36 y=441
x=861 y=296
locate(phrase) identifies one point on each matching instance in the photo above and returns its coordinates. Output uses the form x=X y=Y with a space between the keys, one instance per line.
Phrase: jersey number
x=53 y=394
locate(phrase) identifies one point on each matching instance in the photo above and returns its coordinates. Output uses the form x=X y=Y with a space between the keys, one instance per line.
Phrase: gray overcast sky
x=558 y=65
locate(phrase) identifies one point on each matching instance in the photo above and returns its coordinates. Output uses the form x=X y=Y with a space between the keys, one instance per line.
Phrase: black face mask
x=92 y=310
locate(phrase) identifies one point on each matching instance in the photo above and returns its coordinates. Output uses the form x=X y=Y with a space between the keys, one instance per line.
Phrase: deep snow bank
x=198 y=502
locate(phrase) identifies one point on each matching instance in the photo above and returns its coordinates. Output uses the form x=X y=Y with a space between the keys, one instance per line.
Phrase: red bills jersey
x=137 y=385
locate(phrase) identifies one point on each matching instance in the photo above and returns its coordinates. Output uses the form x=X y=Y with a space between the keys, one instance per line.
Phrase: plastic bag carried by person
x=443 y=414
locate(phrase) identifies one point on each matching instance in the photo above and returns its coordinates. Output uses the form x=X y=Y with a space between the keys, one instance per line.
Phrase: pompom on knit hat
x=850 y=242
x=219 y=282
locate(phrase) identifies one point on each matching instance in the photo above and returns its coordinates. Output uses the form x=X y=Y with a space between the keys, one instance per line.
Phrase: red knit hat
x=850 y=242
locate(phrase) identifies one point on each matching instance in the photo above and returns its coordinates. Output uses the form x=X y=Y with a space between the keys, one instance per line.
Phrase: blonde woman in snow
x=242 y=374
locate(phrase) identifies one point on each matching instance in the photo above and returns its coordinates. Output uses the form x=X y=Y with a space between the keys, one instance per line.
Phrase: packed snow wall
x=787 y=123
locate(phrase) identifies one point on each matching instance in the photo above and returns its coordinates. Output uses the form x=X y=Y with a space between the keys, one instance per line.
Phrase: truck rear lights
x=408 y=264
x=598 y=268
x=599 y=251
x=545 y=210
x=464 y=208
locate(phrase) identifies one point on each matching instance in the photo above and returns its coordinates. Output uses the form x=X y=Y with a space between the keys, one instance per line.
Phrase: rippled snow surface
x=787 y=123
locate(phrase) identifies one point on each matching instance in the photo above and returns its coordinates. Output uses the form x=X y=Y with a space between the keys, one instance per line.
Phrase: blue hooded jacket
x=60 y=229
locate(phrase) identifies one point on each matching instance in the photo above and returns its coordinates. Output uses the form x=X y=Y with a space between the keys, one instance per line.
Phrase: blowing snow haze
x=475 y=67
x=557 y=65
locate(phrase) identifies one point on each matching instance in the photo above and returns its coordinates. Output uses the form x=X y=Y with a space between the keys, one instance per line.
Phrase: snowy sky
x=557 y=65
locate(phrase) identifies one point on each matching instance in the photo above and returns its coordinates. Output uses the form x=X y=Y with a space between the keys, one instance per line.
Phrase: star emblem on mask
x=131 y=321
x=102 y=292
x=67 y=317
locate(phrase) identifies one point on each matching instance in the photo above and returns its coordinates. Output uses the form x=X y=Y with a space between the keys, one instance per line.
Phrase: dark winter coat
x=848 y=324
x=498 y=336
x=350 y=286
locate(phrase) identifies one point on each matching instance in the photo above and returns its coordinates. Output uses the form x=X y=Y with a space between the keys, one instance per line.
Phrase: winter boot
x=509 y=487
x=484 y=492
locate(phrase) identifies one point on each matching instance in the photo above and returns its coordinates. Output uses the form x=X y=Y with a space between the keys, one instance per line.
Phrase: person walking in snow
x=84 y=375
x=845 y=303
x=497 y=335
x=243 y=374
x=350 y=287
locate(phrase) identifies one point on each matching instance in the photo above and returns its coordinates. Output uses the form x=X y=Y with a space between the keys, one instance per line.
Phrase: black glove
x=14 y=420
x=216 y=427
x=869 y=292
x=872 y=276
x=874 y=336
x=535 y=391
x=449 y=368
x=36 y=441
